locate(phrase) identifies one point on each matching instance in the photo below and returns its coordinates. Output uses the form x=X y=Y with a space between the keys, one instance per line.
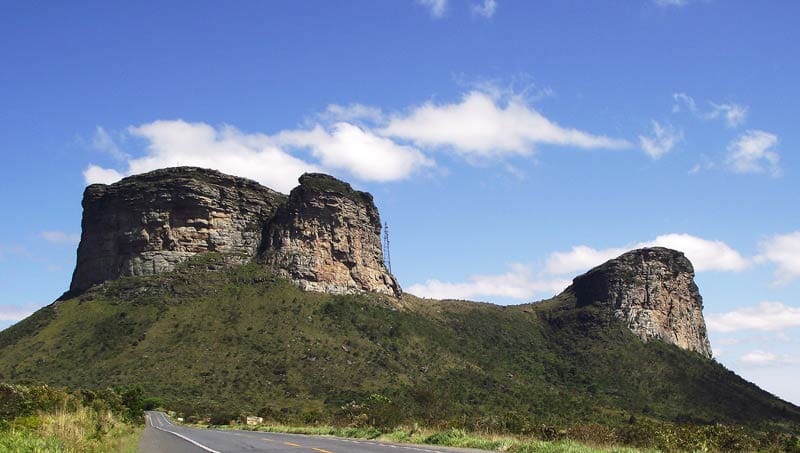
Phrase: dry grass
x=81 y=430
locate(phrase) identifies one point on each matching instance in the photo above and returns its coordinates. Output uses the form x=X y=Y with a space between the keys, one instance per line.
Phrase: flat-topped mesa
x=327 y=238
x=651 y=290
x=148 y=223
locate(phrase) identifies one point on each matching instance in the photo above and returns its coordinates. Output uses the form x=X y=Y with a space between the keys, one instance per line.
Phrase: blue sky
x=509 y=144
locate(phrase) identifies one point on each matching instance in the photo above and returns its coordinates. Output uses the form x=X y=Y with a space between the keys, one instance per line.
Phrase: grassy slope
x=244 y=339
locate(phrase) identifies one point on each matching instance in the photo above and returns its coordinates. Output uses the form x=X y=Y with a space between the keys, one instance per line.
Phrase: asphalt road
x=161 y=435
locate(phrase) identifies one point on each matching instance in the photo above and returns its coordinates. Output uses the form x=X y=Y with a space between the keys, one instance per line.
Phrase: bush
x=223 y=418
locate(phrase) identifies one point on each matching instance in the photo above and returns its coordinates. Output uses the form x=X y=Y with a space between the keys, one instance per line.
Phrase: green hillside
x=243 y=340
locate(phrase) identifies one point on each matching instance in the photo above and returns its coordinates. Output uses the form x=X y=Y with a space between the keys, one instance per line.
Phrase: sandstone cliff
x=652 y=290
x=326 y=238
x=146 y=224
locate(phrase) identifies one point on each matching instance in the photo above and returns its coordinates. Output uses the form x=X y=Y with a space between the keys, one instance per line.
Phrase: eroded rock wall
x=652 y=290
x=327 y=237
x=148 y=223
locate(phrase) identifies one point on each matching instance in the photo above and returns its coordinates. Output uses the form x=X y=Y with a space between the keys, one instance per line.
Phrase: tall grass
x=63 y=430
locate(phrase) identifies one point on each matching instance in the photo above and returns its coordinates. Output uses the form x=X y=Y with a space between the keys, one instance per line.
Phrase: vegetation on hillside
x=39 y=418
x=242 y=341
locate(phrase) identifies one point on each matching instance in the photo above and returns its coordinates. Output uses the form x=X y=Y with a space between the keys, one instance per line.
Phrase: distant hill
x=211 y=319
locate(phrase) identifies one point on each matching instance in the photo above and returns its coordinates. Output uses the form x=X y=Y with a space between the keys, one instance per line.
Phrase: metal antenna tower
x=386 y=255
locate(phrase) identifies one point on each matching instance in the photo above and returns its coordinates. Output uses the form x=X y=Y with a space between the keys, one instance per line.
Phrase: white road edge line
x=197 y=444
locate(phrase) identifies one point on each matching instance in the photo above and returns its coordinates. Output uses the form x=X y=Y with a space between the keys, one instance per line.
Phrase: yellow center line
x=321 y=450
x=291 y=444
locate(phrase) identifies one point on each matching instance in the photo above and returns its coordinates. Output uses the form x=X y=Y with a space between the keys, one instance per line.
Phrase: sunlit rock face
x=651 y=290
x=327 y=238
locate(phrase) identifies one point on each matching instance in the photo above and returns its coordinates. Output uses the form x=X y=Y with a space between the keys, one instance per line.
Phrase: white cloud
x=481 y=126
x=364 y=154
x=254 y=156
x=762 y=358
x=60 y=237
x=705 y=255
x=437 y=7
x=752 y=152
x=519 y=283
x=485 y=9
x=783 y=250
x=734 y=114
x=765 y=316
x=98 y=175
x=580 y=258
x=663 y=139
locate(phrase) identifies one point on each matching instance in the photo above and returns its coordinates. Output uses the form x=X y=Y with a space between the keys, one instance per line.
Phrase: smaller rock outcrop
x=327 y=238
x=651 y=290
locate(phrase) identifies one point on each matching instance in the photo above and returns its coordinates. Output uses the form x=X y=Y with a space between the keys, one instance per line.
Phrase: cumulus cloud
x=580 y=258
x=359 y=151
x=485 y=9
x=765 y=316
x=662 y=140
x=60 y=237
x=519 y=282
x=752 y=152
x=762 y=358
x=783 y=250
x=94 y=174
x=437 y=7
x=481 y=125
x=265 y=158
x=356 y=139
x=733 y=114
x=705 y=255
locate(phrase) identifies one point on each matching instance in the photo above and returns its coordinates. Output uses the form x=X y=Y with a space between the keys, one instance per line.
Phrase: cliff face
x=146 y=224
x=653 y=292
x=327 y=238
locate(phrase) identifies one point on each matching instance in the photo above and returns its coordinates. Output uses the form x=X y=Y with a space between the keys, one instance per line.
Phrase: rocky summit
x=325 y=236
x=652 y=291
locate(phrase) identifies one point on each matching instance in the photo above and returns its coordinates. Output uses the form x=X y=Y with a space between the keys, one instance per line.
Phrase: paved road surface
x=161 y=436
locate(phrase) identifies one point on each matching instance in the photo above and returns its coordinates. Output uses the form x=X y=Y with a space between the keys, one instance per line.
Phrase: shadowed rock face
x=327 y=238
x=652 y=290
x=146 y=224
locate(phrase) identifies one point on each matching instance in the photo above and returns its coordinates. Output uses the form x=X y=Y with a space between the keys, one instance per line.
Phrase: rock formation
x=325 y=237
x=651 y=290
x=146 y=224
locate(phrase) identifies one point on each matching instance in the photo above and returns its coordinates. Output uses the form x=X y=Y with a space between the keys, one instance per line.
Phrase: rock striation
x=651 y=290
x=325 y=236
